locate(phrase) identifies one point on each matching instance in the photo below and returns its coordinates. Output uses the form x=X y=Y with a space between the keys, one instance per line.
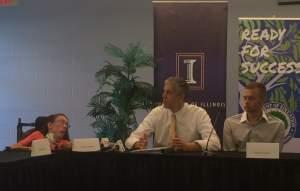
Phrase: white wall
x=50 y=50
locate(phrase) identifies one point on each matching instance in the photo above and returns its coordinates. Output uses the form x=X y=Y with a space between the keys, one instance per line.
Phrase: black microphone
x=119 y=146
x=205 y=152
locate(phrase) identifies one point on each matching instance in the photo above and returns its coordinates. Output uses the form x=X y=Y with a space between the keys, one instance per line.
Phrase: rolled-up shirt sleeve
x=205 y=128
x=145 y=128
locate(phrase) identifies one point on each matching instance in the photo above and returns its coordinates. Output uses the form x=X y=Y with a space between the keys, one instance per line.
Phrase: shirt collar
x=264 y=116
x=179 y=111
x=244 y=117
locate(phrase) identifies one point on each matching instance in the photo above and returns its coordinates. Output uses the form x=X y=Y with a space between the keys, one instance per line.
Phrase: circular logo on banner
x=282 y=112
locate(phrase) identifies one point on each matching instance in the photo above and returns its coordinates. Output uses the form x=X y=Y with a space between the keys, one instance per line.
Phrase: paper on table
x=151 y=149
x=86 y=145
x=262 y=150
x=40 y=147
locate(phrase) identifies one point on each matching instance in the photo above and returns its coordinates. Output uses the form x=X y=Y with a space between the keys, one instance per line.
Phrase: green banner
x=269 y=52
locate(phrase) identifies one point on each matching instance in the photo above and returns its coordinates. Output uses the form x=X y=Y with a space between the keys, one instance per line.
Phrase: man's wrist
x=194 y=146
x=134 y=146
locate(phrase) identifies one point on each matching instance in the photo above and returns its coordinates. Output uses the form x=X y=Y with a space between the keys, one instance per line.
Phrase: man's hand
x=142 y=143
x=180 y=145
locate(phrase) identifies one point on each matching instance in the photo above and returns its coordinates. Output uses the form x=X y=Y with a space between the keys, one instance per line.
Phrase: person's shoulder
x=33 y=136
x=36 y=134
x=194 y=108
x=158 y=109
x=234 y=118
x=274 y=120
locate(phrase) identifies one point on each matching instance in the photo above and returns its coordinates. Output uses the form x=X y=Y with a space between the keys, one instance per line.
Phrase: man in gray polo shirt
x=254 y=125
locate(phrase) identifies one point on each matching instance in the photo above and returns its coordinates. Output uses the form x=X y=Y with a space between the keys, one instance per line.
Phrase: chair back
x=40 y=124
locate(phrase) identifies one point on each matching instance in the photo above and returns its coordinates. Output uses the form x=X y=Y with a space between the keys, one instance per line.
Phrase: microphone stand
x=206 y=152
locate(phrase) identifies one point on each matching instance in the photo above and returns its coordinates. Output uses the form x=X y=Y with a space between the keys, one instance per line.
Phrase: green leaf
x=279 y=24
x=285 y=45
x=272 y=97
x=295 y=52
x=297 y=36
x=113 y=110
x=293 y=85
x=114 y=51
x=283 y=79
x=292 y=103
x=281 y=96
x=109 y=72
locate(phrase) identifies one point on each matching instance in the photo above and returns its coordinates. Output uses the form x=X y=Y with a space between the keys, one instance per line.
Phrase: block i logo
x=190 y=66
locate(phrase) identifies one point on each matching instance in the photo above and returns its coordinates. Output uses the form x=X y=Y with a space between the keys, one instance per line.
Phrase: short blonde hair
x=257 y=85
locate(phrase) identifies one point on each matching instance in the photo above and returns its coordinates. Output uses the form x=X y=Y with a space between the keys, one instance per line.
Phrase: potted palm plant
x=120 y=93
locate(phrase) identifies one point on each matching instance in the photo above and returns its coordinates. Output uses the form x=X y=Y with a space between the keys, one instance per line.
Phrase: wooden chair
x=39 y=124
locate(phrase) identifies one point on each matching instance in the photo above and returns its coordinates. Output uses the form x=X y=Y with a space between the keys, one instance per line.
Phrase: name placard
x=105 y=142
x=86 y=145
x=262 y=150
x=40 y=147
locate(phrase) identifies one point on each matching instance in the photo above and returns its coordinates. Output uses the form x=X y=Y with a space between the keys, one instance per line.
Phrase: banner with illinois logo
x=269 y=52
x=190 y=42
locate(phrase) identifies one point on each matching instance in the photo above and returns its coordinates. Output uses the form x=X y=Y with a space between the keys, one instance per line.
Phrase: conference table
x=147 y=171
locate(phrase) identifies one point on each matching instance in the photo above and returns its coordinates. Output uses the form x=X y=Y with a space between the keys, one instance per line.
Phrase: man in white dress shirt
x=176 y=124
